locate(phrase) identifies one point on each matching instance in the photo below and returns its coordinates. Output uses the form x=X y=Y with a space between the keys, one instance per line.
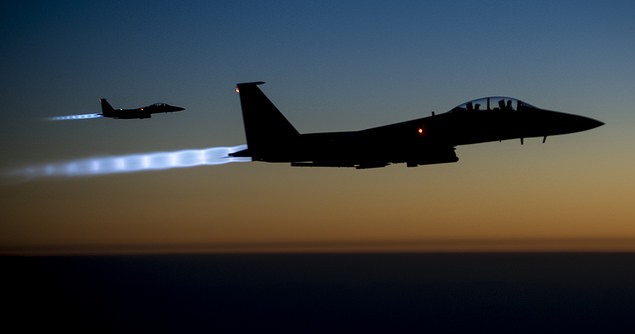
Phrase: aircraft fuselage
x=428 y=140
x=143 y=112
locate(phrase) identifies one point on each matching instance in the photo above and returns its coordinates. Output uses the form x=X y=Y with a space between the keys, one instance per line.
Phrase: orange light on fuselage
x=420 y=131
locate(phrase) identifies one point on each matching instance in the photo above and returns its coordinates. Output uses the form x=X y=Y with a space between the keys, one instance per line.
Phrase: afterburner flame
x=74 y=117
x=134 y=163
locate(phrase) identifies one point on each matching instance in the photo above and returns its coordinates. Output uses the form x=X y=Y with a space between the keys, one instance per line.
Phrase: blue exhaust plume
x=134 y=163
x=74 y=117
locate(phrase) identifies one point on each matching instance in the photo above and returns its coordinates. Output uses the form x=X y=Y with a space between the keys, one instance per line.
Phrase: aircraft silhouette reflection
x=423 y=141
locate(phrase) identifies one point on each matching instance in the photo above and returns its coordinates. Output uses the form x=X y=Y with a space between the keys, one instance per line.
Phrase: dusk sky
x=329 y=66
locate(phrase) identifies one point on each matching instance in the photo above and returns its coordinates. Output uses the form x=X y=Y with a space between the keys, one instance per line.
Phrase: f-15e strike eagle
x=423 y=141
x=144 y=112
x=108 y=111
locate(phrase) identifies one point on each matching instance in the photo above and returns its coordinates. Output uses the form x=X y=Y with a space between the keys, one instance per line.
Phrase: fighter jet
x=144 y=112
x=423 y=141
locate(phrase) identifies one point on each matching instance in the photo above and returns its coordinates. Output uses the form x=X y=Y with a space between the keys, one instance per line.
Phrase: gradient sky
x=329 y=66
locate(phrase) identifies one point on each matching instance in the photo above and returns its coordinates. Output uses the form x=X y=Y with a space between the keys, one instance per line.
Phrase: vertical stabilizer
x=268 y=132
x=106 y=109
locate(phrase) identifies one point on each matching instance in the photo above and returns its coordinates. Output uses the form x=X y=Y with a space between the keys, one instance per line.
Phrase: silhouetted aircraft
x=145 y=112
x=423 y=141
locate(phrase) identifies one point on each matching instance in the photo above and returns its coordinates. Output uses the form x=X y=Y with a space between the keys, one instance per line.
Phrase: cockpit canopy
x=494 y=103
x=160 y=105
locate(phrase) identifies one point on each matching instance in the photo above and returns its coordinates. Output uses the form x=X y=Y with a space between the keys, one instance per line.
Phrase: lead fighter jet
x=423 y=141
x=144 y=112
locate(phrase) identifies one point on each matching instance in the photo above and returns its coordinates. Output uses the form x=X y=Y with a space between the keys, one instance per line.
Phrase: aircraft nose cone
x=562 y=123
x=590 y=123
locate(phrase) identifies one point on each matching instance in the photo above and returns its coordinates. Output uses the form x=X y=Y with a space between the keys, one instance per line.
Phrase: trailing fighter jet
x=423 y=141
x=144 y=112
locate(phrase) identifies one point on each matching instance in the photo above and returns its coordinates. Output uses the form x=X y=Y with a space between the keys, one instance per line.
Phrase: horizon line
x=454 y=245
